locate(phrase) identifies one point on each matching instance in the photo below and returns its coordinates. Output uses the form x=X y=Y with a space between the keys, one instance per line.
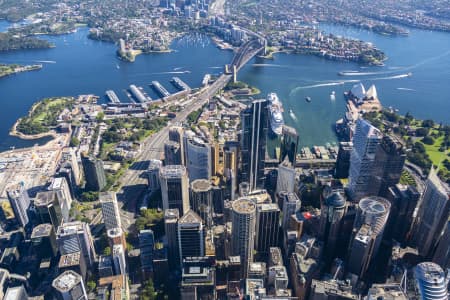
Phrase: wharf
x=159 y=89
x=112 y=96
x=180 y=84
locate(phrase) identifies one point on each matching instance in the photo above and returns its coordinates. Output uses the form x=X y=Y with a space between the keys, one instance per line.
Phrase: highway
x=133 y=183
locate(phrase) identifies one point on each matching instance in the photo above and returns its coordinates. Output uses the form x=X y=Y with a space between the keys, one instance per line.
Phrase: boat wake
x=269 y=65
x=215 y=67
x=295 y=90
x=172 y=72
x=406 y=89
x=46 y=61
x=392 y=77
x=176 y=69
x=293 y=116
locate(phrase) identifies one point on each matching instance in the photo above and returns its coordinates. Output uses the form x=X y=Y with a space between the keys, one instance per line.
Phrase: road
x=133 y=182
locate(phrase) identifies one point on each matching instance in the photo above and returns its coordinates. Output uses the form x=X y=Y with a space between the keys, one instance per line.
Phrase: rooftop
x=190 y=217
x=44 y=198
x=107 y=197
x=71 y=259
x=243 y=206
x=200 y=185
x=173 y=171
x=67 y=281
x=42 y=230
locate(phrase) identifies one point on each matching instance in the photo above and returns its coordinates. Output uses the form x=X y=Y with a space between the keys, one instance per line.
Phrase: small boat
x=308 y=99
x=333 y=93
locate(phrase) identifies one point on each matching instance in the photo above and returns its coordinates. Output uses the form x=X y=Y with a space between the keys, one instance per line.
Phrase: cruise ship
x=276 y=114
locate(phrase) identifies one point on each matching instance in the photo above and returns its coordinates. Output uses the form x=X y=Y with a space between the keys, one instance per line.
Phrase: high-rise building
x=16 y=293
x=387 y=291
x=198 y=158
x=267 y=227
x=404 y=200
x=389 y=161
x=146 y=246
x=431 y=281
x=172 y=153
x=69 y=286
x=73 y=261
x=243 y=231
x=230 y=164
x=343 y=159
x=20 y=202
x=176 y=134
x=48 y=208
x=198 y=279
x=432 y=216
x=291 y=204
x=171 y=217
x=153 y=174
x=201 y=200
x=332 y=289
x=118 y=258
x=442 y=253
x=62 y=190
x=289 y=144
x=94 y=173
x=70 y=155
x=332 y=212
x=362 y=160
x=254 y=122
x=370 y=221
x=76 y=237
x=286 y=177
x=174 y=188
x=43 y=239
x=110 y=210
x=191 y=236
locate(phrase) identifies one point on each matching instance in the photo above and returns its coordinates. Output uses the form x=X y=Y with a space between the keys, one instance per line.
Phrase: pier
x=138 y=94
x=112 y=96
x=179 y=84
x=160 y=89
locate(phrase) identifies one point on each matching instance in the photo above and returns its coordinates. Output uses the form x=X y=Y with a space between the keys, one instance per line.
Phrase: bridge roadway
x=133 y=183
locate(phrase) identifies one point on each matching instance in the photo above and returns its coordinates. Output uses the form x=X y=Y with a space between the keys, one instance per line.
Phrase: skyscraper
x=110 y=210
x=70 y=286
x=431 y=281
x=362 y=160
x=289 y=144
x=20 y=202
x=48 y=208
x=291 y=204
x=43 y=239
x=404 y=200
x=254 y=123
x=172 y=153
x=198 y=158
x=61 y=188
x=442 y=254
x=191 y=236
x=201 y=200
x=432 y=216
x=176 y=134
x=230 y=158
x=343 y=159
x=286 y=177
x=332 y=212
x=174 y=188
x=243 y=231
x=267 y=227
x=76 y=237
x=146 y=246
x=389 y=161
x=94 y=173
x=153 y=174
x=171 y=217
x=370 y=221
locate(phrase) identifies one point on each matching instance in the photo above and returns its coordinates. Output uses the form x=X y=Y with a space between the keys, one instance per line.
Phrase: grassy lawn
x=433 y=151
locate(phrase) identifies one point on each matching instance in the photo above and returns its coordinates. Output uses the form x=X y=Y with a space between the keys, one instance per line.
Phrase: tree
x=428 y=140
x=74 y=142
x=100 y=116
x=91 y=285
x=148 y=292
x=107 y=251
x=422 y=131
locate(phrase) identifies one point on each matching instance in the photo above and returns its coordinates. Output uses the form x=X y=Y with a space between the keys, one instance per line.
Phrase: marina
x=112 y=96
x=138 y=94
x=159 y=89
x=180 y=84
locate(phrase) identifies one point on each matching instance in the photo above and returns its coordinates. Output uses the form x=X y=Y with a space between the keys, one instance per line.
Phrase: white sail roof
x=372 y=92
x=358 y=91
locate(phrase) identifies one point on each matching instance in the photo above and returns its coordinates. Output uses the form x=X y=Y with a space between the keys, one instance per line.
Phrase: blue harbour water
x=79 y=66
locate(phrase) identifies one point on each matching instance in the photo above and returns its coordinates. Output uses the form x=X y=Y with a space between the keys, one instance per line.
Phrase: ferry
x=276 y=114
